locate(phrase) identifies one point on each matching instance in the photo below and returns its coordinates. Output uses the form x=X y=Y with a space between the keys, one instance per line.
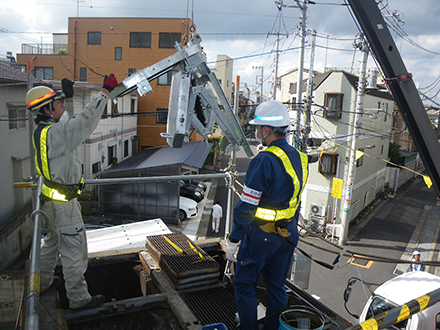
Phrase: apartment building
x=94 y=47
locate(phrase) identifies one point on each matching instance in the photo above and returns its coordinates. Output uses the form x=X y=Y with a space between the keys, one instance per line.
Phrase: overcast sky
x=240 y=29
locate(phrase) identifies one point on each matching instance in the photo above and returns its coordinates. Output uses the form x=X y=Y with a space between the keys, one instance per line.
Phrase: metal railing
x=44 y=49
x=33 y=291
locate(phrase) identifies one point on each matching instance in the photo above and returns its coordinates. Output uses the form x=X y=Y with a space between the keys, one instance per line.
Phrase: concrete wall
x=14 y=151
x=15 y=236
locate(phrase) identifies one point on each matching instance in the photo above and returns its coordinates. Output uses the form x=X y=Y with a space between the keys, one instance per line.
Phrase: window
x=133 y=105
x=360 y=161
x=366 y=198
x=140 y=39
x=44 y=73
x=111 y=152
x=161 y=116
x=93 y=38
x=386 y=112
x=82 y=74
x=165 y=79
x=167 y=40
x=118 y=53
x=333 y=105
x=96 y=167
x=17 y=116
x=126 y=143
x=328 y=163
x=131 y=71
x=114 y=109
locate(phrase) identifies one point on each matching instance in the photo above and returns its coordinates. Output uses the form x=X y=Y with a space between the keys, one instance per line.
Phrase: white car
x=188 y=208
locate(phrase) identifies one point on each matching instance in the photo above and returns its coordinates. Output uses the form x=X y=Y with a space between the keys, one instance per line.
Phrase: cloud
x=244 y=30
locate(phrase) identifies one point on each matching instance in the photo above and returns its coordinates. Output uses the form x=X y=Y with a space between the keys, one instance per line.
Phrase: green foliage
x=393 y=153
x=61 y=52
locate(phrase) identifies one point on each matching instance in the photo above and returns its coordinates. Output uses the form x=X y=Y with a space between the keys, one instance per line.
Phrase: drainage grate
x=184 y=263
x=213 y=305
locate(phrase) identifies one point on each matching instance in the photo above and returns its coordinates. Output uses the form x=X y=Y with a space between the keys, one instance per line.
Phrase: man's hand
x=67 y=87
x=110 y=82
x=231 y=251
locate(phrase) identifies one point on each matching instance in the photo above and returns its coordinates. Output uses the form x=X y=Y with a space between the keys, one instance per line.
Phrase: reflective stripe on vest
x=275 y=215
x=40 y=146
x=42 y=164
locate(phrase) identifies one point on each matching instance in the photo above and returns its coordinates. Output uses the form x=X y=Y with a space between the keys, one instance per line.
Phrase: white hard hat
x=416 y=252
x=271 y=113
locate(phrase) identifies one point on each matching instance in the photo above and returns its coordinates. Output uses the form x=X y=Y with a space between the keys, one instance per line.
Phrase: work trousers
x=215 y=223
x=66 y=238
x=270 y=255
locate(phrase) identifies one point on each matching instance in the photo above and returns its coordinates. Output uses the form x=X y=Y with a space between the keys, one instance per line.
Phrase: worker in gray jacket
x=57 y=160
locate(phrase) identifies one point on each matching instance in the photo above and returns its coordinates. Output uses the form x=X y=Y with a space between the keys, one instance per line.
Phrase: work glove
x=231 y=250
x=67 y=87
x=110 y=82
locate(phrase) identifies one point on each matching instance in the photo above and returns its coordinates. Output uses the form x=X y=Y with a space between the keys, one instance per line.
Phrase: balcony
x=44 y=49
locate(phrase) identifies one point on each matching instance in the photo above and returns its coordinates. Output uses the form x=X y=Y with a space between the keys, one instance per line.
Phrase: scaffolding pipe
x=32 y=321
x=161 y=178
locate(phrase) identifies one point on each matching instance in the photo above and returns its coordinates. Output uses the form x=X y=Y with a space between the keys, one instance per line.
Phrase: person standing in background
x=217 y=213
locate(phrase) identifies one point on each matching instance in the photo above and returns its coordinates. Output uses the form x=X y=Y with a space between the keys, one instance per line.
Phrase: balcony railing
x=44 y=49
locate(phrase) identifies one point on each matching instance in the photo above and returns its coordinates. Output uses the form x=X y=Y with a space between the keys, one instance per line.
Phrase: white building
x=332 y=116
x=115 y=136
x=114 y=139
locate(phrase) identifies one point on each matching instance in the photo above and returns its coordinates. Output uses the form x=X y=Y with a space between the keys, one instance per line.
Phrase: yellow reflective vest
x=288 y=213
x=52 y=190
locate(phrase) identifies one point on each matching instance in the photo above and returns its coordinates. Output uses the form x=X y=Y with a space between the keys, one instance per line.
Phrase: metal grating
x=184 y=263
x=213 y=305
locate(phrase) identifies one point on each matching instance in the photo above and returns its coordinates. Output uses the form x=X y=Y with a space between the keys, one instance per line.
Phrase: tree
x=393 y=153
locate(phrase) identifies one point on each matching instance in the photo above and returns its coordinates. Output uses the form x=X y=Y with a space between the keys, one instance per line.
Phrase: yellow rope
x=359 y=153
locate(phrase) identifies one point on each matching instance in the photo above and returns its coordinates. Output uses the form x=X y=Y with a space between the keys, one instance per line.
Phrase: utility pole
x=303 y=8
x=261 y=81
x=232 y=164
x=353 y=132
x=305 y=129
x=276 y=68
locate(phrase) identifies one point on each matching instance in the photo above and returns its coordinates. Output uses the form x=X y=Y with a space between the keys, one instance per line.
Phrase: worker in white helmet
x=415 y=266
x=56 y=140
x=265 y=219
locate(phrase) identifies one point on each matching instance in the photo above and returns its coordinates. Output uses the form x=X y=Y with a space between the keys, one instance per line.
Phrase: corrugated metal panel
x=124 y=236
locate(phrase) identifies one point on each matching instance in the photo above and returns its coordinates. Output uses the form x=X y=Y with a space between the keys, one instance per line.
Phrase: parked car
x=197 y=182
x=191 y=191
x=188 y=208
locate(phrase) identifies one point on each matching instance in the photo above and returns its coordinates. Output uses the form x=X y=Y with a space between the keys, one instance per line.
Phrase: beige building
x=224 y=71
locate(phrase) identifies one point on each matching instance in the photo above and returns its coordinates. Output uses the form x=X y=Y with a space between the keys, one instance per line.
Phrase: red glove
x=110 y=82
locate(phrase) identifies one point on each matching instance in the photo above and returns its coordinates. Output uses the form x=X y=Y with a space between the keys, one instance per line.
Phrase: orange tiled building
x=94 y=47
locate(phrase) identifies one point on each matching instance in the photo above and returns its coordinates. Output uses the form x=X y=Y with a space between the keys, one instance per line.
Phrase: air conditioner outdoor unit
x=318 y=210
